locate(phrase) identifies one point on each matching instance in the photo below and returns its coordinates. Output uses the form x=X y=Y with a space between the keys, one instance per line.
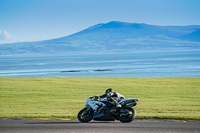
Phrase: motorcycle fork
x=88 y=108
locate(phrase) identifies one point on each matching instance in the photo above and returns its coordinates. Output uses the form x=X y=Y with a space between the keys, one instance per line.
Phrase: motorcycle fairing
x=95 y=105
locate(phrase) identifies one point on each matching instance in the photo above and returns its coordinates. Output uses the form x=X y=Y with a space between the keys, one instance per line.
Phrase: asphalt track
x=74 y=126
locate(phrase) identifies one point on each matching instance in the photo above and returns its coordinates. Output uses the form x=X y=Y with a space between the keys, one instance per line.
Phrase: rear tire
x=85 y=116
x=128 y=116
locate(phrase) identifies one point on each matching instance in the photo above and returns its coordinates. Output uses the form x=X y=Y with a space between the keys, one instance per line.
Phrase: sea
x=183 y=63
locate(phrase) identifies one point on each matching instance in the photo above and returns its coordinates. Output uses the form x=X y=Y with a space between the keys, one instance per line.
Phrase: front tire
x=127 y=114
x=85 y=116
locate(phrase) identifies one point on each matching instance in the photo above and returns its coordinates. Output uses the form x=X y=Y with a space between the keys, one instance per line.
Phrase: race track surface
x=74 y=126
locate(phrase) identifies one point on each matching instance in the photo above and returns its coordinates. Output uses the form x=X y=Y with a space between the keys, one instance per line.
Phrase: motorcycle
x=103 y=110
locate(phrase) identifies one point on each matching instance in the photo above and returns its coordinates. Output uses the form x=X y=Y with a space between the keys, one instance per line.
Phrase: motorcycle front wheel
x=85 y=116
x=127 y=114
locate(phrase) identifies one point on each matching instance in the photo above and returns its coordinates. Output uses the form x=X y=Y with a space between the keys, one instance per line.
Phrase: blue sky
x=34 y=20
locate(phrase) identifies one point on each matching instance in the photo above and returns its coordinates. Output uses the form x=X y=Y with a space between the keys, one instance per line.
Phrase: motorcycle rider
x=112 y=97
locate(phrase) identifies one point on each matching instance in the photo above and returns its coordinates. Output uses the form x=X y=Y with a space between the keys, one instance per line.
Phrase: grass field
x=63 y=97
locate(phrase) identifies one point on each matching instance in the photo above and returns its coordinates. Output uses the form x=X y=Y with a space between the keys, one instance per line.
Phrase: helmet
x=108 y=91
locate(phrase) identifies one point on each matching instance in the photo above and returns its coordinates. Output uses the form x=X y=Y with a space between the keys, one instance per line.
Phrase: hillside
x=113 y=36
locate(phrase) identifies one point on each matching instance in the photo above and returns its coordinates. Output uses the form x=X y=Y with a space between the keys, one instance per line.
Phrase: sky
x=35 y=20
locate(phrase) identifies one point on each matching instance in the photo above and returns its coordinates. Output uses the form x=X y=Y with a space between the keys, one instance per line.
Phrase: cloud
x=7 y=35
x=4 y=35
x=1 y=36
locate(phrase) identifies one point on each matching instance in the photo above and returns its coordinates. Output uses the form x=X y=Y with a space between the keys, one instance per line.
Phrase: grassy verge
x=63 y=97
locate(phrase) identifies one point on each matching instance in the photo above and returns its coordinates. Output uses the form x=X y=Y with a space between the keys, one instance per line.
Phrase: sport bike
x=103 y=110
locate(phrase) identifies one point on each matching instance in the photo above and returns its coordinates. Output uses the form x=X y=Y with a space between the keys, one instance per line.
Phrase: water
x=131 y=64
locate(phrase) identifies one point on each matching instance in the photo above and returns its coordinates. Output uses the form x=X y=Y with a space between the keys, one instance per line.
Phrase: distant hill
x=113 y=36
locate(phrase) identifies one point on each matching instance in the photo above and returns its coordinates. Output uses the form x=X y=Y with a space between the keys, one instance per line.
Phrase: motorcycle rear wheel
x=128 y=117
x=85 y=116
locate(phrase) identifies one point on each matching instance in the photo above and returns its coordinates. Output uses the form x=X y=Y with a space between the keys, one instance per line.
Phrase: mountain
x=113 y=36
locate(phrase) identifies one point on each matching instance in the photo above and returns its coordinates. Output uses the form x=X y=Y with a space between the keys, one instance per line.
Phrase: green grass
x=63 y=97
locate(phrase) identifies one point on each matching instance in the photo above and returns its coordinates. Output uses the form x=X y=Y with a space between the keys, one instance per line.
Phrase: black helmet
x=108 y=91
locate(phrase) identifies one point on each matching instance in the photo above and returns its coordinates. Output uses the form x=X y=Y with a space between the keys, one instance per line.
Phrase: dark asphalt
x=74 y=126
